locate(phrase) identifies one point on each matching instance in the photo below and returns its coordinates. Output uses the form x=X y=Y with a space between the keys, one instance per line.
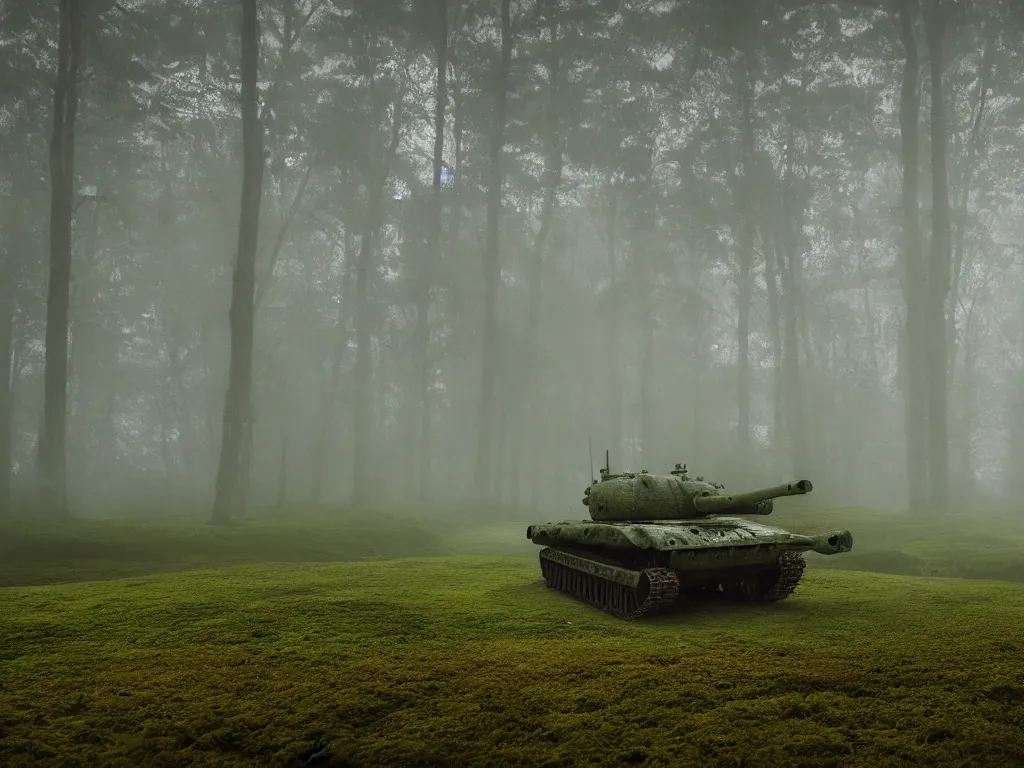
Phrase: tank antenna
x=590 y=445
x=607 y=463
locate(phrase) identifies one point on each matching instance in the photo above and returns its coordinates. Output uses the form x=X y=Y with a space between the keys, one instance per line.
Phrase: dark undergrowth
x=34 y=553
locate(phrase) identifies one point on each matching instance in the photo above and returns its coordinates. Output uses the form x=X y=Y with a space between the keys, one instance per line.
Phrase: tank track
x=791 y=569
x=617 y=599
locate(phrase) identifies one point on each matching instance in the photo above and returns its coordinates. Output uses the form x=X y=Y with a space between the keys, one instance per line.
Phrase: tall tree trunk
x=52 y=440
x=1014 y=478
x=330 y=397
x=458 y=134
x=817 y=448
x=6 y=389
x=1013 y=484
x=746 y=264
x=965 y=486
x=775 y=319
x=938 y=273
x=462 y=395
x=503 y=397
x=914 y=359
x=275 y=130
x=699 y=416
x=974 y=150
x=869 y=316
x=527 y=422
x=973 y=153
x=647 y=430
x=492 y=264
x=362 y=406
x=363 y=373
x=642 y=228
x=433 y=249
x=230 y=490
x=282 y=473
x=613 y=373
x=790 y=223
x=164 y=409
x=262 y=286
x=188 y=441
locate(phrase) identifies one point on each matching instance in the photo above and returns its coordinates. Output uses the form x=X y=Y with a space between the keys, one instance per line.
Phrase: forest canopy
x=768 y=238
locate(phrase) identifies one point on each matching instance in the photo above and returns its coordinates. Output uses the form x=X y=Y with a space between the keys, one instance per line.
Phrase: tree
x=552 y=147
x=230 y=490
x=6 y=353
x=437 y=23
x=913 y=276
x=939 y=270
x=666 y=175
x=485 y=468
x=52 y=450
x=745 y=82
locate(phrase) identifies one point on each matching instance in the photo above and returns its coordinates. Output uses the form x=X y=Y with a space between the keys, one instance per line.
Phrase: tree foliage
x=706 y=244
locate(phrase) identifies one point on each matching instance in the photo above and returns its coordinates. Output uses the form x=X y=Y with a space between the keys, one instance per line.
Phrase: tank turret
x=652 y=538
x=642 y=496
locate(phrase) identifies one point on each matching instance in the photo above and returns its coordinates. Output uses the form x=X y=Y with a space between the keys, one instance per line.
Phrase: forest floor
x=171 y=643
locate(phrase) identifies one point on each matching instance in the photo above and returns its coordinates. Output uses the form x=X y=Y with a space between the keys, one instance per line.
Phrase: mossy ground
x=466 y=659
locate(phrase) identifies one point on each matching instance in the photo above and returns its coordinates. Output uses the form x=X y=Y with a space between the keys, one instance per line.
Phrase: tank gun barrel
x=833 y=542
x=709 y=505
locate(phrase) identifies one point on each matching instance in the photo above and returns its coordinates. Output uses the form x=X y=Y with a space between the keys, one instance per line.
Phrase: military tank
x=653 y=539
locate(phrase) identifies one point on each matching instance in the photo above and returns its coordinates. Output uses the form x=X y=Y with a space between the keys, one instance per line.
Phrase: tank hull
x=632 y=569
x=732 y=535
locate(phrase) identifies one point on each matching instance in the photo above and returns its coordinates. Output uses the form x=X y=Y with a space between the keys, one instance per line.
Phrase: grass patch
x=471 y=661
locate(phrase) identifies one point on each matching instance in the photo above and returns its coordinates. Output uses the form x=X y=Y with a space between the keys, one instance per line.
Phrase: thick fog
x=777 y=242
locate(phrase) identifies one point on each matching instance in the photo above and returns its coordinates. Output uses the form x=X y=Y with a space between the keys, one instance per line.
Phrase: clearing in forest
x=470 y=660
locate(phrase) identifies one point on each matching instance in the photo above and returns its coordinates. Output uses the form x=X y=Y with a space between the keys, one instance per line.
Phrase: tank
x=653 y=539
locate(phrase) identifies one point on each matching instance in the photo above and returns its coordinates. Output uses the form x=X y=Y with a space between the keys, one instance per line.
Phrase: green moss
x=471 y=661
x=273 y=643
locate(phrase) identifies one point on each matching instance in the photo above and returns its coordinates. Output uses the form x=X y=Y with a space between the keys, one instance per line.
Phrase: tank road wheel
x=772 y=586
x=657 y=591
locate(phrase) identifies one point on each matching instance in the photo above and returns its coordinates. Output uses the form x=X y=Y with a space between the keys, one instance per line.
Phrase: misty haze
x=317 y=317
